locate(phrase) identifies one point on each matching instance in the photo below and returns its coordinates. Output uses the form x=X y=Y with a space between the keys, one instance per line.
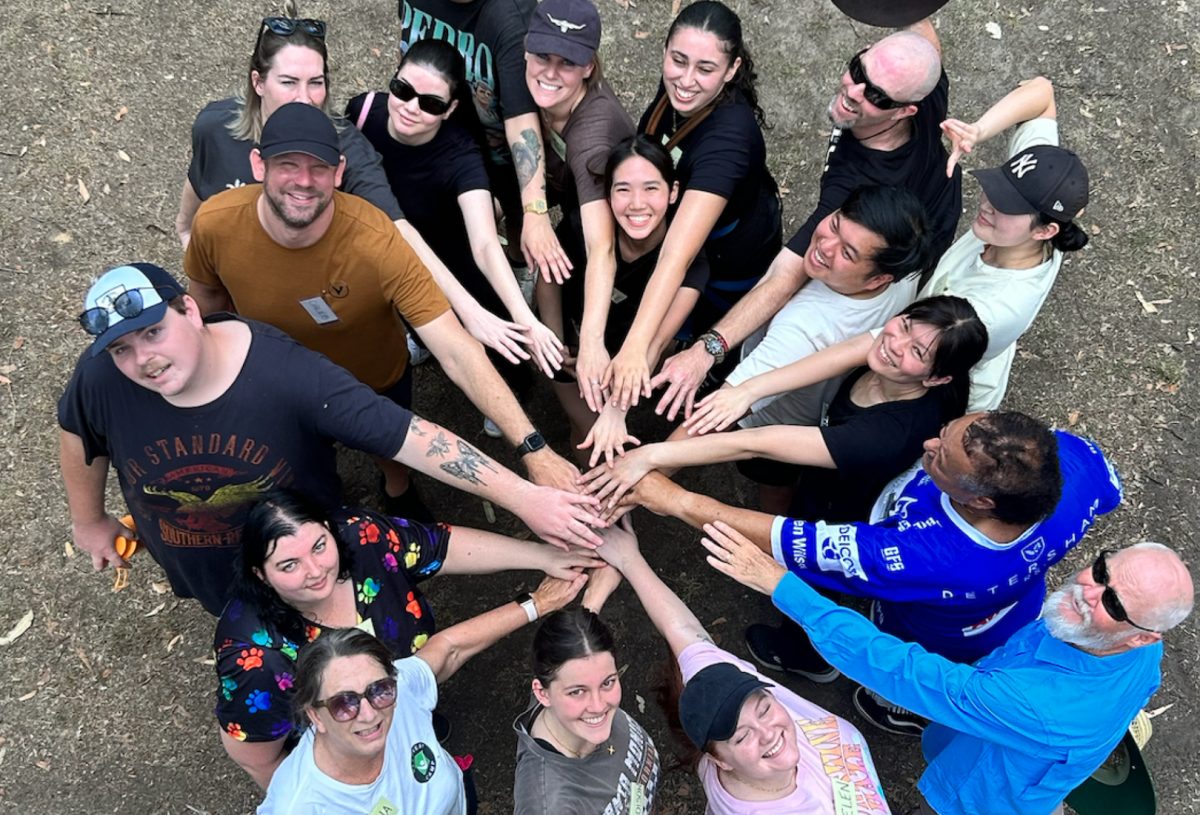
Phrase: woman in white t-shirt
x=764 y=749
x=1007 y=263
x=363 y=752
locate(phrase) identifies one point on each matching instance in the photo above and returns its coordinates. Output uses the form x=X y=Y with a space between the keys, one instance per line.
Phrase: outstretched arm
x=539 y=244
x=449 y=649
x=1031 y=99
x=673 y=619
x=663 y=496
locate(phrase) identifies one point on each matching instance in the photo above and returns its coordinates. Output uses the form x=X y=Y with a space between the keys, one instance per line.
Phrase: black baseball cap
x=889 y=13
x=711 y=702
x=1044 y=178
x=566 y=28
x=298 y=127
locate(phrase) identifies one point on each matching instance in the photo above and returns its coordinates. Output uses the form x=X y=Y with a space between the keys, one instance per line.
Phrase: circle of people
x=326 y=255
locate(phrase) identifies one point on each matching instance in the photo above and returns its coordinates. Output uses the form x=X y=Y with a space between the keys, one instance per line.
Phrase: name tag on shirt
x=319 y=310
x=366 y=625
x=637 y=799
x=618 y=296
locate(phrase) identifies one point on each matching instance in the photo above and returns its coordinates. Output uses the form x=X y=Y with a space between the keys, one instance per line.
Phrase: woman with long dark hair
x=707 y=115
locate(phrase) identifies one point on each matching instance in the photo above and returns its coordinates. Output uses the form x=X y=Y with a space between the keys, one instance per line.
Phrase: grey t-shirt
x=618 y=778
x=221 y=162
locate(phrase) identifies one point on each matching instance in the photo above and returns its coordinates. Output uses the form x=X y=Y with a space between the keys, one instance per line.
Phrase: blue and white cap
x=152 y=284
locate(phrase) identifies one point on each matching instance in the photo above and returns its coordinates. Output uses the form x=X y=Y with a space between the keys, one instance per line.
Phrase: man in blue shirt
x=1016 y=732
x=957 y=550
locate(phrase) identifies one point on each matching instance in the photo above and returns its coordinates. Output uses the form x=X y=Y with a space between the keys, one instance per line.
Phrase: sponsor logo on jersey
x=837 y=550
x=987 y=622
x=1034 y=549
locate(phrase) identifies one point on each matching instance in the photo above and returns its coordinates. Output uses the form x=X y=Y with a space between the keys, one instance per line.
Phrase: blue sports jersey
x=936 y=579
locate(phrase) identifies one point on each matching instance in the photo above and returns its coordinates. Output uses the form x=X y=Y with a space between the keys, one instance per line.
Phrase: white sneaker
x=416 y=354
x=492 y=429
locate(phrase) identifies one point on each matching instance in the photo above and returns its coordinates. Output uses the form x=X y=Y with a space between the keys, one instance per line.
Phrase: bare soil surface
x=106 y=704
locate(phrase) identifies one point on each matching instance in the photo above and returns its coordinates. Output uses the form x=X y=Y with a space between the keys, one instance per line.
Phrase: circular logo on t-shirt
x=338 y=288
x=424 y=762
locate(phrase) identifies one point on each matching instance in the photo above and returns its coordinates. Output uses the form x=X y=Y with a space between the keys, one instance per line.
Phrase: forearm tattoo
x=440 y=446
x=527 y=154
x=467 y=465
x=414 y=427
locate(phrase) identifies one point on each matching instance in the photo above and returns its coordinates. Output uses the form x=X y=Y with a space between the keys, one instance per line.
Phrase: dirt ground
x=107 y=699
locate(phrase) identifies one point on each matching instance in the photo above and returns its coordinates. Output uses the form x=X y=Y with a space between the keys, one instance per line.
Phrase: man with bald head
x=887 y=113
x=1014 y=733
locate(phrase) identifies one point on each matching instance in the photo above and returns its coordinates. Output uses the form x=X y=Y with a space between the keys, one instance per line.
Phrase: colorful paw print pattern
x=256 y=662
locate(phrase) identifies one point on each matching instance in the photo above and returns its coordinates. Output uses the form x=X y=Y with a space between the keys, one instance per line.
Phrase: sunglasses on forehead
x=874 y=94
x=287 y=26
x=344 y=706
x=128 y=304
x=1111 y=602
x=433 y=105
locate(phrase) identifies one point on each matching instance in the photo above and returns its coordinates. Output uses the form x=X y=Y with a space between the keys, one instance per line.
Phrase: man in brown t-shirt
x=332 y=271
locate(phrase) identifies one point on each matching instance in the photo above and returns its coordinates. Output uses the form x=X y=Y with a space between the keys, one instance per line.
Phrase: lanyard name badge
x=319 y=310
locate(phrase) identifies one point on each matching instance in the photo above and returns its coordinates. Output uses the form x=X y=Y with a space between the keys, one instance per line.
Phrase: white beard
x=1076 y=632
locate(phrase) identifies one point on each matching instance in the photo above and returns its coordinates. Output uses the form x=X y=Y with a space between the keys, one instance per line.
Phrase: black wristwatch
x=532 y=443
x=714 y=344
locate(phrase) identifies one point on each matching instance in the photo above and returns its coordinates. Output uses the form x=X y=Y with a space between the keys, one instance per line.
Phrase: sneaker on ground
x=886 y=716
x=795 y=655
x=492 y=429
x=416 y=354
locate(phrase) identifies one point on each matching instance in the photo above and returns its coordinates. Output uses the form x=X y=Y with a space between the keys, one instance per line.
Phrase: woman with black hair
x=577 y=751
x=910 y=379
x=1008 y=261
x=303 y=571
x=706 y=114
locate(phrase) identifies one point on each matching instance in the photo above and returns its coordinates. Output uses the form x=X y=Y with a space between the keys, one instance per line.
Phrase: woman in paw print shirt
x=303 y=571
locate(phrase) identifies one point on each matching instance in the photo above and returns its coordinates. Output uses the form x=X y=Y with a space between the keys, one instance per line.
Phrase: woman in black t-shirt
x=641 y=185
x=437 y=174
x=911 y=378
x=303 y=570
x=707 y=115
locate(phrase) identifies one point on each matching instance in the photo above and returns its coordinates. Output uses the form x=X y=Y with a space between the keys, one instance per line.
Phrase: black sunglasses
x=874 y=94
x=1112 y=603
x=433 y=105
x=287 y=26
x=344 y=706
x=128 y=304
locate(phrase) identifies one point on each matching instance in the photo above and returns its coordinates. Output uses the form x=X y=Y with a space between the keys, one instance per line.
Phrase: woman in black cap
x=763 y=749
x=1008 y=261
x=582 y=120
x=706 y=114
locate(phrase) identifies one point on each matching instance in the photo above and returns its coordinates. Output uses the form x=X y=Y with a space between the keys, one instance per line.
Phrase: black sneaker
x=886 y=716
x=778 y=650
x=407 y=505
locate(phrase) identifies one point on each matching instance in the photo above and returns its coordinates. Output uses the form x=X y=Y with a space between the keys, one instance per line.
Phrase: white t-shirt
x=815 y=318
x=836 y=775
x=1007 y=300
x=418 y=776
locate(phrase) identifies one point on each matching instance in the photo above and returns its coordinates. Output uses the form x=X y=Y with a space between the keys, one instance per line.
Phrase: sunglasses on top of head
x=874 y=94
x=344 y=706
x=128 y=304
x=287 y=26
x=433 y=105
x=1109 y=599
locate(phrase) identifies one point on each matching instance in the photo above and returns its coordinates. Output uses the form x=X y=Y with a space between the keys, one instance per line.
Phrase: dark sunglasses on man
x=287 y=26
x=344 y=706
x=874 y=94
x=1112 y=604
x=433 y=105
x=127 y=304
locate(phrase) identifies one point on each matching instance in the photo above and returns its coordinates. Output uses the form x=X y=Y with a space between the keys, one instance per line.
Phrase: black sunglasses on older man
x=1112 y=604
x=874 y=94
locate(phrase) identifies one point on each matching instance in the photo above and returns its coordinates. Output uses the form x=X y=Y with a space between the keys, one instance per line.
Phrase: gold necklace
x=557 y=739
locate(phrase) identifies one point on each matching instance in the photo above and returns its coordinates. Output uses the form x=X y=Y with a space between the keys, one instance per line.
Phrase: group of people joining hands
x=325 y=254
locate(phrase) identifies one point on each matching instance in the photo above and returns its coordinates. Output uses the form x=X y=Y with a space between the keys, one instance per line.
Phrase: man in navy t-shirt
x=956 y=553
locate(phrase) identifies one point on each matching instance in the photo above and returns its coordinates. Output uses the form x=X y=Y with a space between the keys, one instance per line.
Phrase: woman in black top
x=914 y=377
x=707 y=115
x=437 y=173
